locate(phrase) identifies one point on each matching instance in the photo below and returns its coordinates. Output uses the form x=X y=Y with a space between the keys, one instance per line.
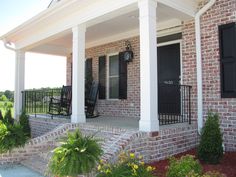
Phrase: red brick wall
x=131 y=106
x=224 y=11
x=189 y=70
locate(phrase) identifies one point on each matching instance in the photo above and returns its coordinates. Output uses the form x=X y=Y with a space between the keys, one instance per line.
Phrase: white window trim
x=108 y=77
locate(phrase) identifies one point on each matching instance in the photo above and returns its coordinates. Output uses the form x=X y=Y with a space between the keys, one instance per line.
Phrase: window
x=113 y=77
x=227 y=38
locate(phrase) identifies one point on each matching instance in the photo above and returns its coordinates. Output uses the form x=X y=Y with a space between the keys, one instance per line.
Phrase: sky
x=40 y=70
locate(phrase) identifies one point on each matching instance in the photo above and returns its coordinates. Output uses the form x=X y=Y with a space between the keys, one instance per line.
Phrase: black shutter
x=88 y=76
x=102 y=77
x=227 y=40
x=88 y=67
x=122 y=77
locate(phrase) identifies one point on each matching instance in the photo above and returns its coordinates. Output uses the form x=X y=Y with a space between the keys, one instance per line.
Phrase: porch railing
x=174 y=104
x=36 y=101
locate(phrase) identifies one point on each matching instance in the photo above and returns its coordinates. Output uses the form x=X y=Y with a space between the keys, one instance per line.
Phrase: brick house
x=183 y=64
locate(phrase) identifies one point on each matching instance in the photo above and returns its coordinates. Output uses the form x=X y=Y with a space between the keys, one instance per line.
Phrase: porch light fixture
x=128 y=53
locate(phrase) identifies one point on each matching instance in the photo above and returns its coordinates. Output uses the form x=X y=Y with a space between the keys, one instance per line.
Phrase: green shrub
x=210 y=149
x=11 y=136
x=78 y=155
x=8 y=118
x=1 y=116
x=8 y=105
x=127 y=166
x=24 y=122
x=182 y=167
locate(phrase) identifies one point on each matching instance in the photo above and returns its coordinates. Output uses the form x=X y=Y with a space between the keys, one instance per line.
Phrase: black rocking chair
x=61 y=106
x=90 y=101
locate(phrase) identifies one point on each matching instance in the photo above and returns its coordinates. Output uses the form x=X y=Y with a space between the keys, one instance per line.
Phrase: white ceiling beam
x=189 y=7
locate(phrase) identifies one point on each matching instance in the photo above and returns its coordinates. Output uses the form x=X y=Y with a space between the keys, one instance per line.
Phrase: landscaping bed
x=226 y=166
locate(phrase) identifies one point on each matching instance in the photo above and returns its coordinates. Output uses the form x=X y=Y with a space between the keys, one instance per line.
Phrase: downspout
x=199 y=61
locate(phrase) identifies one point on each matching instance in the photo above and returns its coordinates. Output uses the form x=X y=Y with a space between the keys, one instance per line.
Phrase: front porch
x=152 y=86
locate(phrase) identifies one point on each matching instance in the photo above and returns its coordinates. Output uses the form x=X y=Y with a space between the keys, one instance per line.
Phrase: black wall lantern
x=128 y=53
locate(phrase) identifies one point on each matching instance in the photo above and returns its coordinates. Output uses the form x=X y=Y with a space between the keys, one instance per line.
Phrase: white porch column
x=78 y=58
x=148 y=66
x=19 y=82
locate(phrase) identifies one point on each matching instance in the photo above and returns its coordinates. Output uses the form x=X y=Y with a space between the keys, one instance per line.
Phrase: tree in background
x=3 y=98
x=9 y=94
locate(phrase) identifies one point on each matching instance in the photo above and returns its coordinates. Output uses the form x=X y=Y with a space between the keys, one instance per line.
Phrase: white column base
x=148 y=126
x=79 y=118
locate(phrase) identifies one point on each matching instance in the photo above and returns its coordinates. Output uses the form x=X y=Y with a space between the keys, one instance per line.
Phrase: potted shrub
x=76 y=156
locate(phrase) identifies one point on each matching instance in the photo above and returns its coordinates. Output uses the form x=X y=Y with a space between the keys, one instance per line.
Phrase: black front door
x=168 y=79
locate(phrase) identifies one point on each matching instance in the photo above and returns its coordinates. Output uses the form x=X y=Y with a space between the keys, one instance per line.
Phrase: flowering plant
x=128 y=165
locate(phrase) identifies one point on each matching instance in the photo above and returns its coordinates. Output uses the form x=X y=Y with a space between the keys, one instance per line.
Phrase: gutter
x=199 y=61
x=6 y=44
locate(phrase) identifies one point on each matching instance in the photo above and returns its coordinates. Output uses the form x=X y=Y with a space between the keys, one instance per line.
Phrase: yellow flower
x=140 y=157
x=142 y=163
x=132 y=155
x=101 y=161
x=149 y=168
x=135 y=166
x=99 y=167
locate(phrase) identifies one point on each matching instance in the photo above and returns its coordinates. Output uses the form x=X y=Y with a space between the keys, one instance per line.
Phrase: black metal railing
x=36 y=101
x=174 y=104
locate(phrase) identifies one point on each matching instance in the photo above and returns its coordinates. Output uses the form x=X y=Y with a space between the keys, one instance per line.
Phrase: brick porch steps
x=113 y=141
x=36 y=163
x=152 y=146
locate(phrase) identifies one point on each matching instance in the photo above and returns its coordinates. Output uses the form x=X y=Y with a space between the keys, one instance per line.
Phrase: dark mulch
x=227 y=165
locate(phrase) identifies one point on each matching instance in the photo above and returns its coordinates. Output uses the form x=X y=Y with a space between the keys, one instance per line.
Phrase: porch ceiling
x=120 y=27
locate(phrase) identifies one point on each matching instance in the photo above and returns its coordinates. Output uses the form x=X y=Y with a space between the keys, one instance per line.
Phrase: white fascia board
x=94 y=13
x=189 y=7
